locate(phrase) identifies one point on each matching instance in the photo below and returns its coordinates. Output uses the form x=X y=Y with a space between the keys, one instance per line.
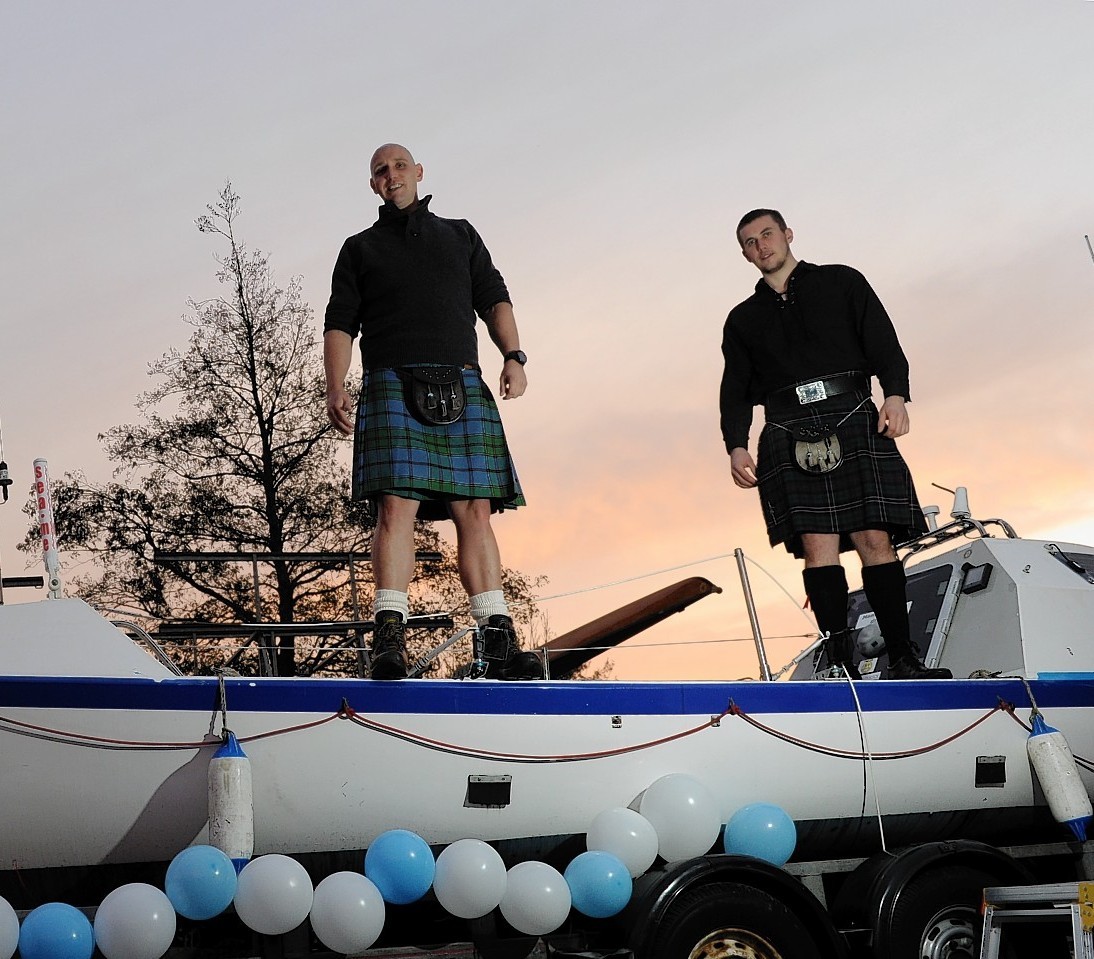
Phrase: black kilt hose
x=870 y=489
x=396 y=453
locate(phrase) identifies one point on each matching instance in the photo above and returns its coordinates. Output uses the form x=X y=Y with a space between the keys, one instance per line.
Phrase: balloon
x=470 y=878
x=273 y=894
x=348 y=912
x=56 y=930
x=9 y=929
x=762 y=830
x=135 y=921
x=536 y=900
x=626 y=834
x=600 y=884
x=201 y=882
x=401 y=865
x=684 y=814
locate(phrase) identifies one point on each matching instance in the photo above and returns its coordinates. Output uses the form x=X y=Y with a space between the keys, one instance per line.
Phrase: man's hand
x=514 y=381
x=340 y=410
x=892 y=419
x=744 y=468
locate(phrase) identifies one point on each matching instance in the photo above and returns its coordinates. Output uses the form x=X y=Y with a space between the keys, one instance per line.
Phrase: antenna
x=1088 y=246
x=5 y=478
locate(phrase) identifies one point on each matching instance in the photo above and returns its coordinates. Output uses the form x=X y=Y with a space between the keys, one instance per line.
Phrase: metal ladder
x=1052 y=902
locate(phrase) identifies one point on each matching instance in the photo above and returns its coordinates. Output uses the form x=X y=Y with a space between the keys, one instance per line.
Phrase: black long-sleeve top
x=830 y=322
x=411 y=285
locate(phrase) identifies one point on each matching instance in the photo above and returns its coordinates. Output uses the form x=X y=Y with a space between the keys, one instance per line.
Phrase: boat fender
x=231 y=803
x=1059 y=777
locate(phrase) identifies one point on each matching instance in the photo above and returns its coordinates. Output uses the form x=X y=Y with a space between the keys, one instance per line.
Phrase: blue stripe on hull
x=451 y=697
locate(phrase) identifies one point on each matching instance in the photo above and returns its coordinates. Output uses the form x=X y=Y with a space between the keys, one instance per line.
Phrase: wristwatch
x=519 y=355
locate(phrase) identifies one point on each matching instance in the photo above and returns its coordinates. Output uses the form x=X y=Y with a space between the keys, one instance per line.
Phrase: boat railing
x=960 y=527
x=141 y=636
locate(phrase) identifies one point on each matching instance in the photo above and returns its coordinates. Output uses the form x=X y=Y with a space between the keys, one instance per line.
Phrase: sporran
x=434 y=394
x=816 y=446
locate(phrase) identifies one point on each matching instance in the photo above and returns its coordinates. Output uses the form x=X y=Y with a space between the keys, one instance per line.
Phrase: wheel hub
x=949 y=936
x=734 y=944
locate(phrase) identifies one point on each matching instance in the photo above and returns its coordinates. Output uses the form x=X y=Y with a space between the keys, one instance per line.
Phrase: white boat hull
x=90 y=783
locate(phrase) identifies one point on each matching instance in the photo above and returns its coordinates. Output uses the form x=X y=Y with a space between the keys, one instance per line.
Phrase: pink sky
x=605 y=152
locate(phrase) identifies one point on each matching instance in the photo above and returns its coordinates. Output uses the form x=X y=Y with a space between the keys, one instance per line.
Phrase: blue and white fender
x=1058 y=774
x=231 y=803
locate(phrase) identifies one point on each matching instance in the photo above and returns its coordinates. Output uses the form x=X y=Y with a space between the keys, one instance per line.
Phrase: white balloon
x=347 y=913
x=135 y=921
x=537 y=898
x=273 y=895
x=470 y=878
x=9 y=929
x=685 y=815
x=626 y=834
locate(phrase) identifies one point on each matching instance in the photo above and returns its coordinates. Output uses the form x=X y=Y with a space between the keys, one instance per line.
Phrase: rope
x=441 y=746
x=868 y=768
x=851 y=754
x=348 y=713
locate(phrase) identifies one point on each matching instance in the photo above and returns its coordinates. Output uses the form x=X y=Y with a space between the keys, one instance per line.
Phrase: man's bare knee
x=820 y=549
x=470 y=512
x=874 y=547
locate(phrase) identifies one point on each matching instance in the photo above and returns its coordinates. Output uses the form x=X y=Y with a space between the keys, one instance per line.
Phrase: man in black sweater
x=830 y=477
x=411 y=286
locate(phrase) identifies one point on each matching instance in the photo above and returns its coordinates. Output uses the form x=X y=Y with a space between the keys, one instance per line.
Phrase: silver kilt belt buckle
x=817 y=447
x=811 y=392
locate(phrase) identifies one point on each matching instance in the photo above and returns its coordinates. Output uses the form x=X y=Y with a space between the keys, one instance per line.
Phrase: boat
x=105 y=748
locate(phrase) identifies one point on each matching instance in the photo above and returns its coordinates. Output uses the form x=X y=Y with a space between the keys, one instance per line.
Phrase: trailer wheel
x=937 y=915
x=490 y=945
x=727 y=920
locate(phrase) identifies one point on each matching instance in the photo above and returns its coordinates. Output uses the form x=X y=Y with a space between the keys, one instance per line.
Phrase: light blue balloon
x=401 y=865
x=600 y=883
x=56 y=931
x=201 y=882
x=761 y=830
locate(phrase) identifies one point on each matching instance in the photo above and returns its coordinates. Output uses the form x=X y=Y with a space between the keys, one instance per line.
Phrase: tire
x=490 y=945
x=728 y=920
x=937 y=915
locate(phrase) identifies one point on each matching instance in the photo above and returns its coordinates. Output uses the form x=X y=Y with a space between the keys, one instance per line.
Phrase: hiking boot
x=504 y=657
x=839 y=650
x=909 y=667
x=388 y=646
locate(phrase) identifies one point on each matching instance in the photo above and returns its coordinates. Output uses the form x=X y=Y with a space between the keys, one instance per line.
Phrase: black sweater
x=830 y=322
x=411 y=285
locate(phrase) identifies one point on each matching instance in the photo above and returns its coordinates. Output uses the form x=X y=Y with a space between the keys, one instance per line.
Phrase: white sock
x=391 y=599
x=490 y=603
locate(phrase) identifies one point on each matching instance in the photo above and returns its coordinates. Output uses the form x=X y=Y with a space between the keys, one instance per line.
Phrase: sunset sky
x=605 y=151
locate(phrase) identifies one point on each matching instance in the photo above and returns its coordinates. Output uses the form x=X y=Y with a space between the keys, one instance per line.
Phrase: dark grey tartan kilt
x=870 y=489
x=394 y=452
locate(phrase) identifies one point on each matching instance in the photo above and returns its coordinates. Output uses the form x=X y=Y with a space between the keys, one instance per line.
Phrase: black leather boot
x=504 y=657
x=909 y=666
x=839 y=649
x=388 y=646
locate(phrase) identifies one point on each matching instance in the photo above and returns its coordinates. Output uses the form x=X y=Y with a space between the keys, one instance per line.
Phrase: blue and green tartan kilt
x=394 y=452
x=871 y=488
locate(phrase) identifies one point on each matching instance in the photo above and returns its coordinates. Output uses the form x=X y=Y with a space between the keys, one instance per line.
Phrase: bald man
x=428 y=441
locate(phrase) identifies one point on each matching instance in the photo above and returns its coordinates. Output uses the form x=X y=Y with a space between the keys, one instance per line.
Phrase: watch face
x=519 y=355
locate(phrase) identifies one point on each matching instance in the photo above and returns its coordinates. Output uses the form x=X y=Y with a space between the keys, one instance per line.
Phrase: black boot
x=389 y=646
x=502 y=652
x=910 y=667
x=839 y=649
x=886 y=590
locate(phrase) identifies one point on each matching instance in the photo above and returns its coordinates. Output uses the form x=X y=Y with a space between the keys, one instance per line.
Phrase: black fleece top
x=411 y=285
x=830 y=322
